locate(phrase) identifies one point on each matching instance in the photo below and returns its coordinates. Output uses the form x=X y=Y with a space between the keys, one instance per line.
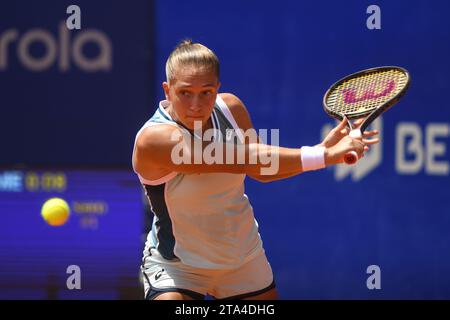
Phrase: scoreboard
x=103 y=236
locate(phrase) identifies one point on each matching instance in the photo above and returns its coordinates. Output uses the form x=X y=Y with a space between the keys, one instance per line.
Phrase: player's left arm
x=243 y=120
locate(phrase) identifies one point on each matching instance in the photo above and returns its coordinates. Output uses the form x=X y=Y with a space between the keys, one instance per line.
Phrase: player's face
x=192 y=94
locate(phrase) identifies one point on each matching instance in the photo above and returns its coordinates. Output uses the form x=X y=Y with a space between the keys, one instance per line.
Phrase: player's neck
x=206 y=125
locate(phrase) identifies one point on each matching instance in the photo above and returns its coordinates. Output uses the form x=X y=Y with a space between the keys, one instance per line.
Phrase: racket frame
x=372 y=115
x=352 y=157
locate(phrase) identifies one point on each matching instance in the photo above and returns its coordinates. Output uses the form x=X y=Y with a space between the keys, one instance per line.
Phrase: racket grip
x=351 y=157
x=355 y=134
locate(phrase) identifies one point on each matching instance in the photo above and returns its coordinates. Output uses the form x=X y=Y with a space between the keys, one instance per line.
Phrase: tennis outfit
x=204 y=237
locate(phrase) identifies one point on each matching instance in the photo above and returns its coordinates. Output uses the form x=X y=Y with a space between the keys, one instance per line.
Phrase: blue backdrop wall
x=74 y=97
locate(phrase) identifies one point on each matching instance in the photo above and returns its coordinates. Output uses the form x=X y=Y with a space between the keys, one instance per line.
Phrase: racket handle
x=355 y=134
x=351 y=157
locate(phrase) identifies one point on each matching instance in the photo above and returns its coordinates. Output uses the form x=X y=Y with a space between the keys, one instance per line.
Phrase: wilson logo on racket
x=365 y=94
x=350 y=95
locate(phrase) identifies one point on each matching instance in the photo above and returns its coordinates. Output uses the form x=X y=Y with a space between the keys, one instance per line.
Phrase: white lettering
x=413 y=146
x=60 y=47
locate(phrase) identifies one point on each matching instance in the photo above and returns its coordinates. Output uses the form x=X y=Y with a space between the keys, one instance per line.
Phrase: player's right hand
x=336 y=153
x=338 y=143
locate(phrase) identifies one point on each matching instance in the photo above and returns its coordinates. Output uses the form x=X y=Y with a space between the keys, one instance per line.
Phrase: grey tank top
x=203 y=220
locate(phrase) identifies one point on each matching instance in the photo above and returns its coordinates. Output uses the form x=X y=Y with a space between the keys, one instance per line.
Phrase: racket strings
x=365 y=93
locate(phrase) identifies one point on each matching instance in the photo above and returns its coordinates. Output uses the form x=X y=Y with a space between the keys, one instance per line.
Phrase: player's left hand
x=341 y=130
x=366 y=134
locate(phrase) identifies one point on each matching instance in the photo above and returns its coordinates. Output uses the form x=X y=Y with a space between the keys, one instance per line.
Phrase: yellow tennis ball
x=55 y=211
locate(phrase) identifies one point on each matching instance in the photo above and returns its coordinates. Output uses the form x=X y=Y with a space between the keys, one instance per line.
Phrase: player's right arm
x=159 y=149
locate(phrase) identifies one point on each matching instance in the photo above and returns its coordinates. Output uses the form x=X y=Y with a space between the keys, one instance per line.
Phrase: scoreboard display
x=102 y=239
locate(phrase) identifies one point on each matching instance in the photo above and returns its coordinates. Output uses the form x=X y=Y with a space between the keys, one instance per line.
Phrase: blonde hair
x=189 y=53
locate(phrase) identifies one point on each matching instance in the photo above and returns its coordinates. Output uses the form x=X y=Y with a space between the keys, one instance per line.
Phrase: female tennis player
x=204 y=237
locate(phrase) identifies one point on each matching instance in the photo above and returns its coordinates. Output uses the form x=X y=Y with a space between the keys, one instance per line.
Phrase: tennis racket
x=365 y=94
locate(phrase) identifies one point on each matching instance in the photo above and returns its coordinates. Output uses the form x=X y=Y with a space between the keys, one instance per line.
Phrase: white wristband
x=313 y=158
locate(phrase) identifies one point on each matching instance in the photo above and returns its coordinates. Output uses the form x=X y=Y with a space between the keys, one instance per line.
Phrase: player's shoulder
x=232 y=101
x=236 y=106
x=158 y=135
